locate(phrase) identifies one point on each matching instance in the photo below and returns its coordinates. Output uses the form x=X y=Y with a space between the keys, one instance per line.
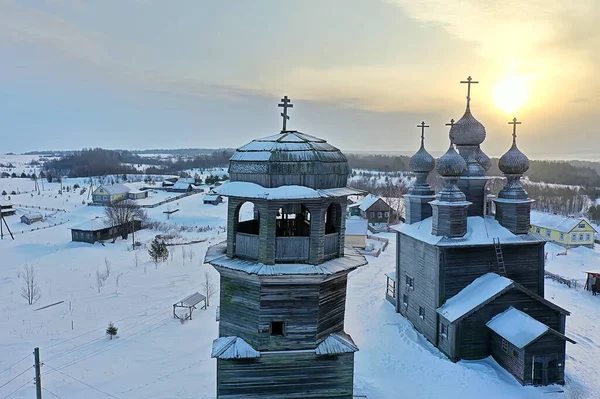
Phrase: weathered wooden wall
x=447 y=344
x=548 y=344
x=514 y=216
x=462 y=265
x=296 y=375
x=474 y=190
x=449 y=220
x=474 y=338
x=513 y=364
x=332 y=306
x=419 y=261
x=418 y=207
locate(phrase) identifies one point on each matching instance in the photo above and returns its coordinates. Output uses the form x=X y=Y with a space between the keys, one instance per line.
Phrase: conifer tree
x=111 y=330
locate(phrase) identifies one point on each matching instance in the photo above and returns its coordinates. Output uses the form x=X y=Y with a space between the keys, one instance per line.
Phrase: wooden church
x=473 y=283
x=284 y=271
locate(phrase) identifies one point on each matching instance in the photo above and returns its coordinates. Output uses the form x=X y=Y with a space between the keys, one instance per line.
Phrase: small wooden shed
x=593 y=277
x=189 y=302
x=30 y=218
x=212 y=199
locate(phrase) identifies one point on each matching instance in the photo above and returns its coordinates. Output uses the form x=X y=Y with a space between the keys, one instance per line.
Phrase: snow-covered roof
x=517 y=327
x=564 y=224
x=193 y=300
x=210 y=197
x=233 y=348
x=216 y=255
x=116 y=188
x=391 y=276
x=93 y=225
x=480 y=291
x=335 y=344
x=135 y=191
x=253 y=190
x=367 y=202
x=356 y=226
x=187 y=180
x=181 y=186
x=32 y=215
x=4 y=202
x=480 y=231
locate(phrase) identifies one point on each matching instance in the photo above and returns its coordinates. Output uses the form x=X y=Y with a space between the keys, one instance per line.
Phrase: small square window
x=582 y=225
x=444 y=331
x=562 y=236
x=277 y=328
x=588 y=237
x=386 y=214
x=379 y=215
x=505 y=345
x=516 y=354
x=573 y=237
x=410 y=283
x=548 y=233
x=580 y=237
x=422 y=312
x=405 y=300
x=537 y=230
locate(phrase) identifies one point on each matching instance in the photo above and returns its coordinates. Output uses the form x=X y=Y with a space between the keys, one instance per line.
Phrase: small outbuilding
x=137 y=194
x=593 y=278
x=6 y=208
x=356 y=232
x=182 y=187
x=213 y=199
x=101 y=229
x=30 y=218
x=373 y=208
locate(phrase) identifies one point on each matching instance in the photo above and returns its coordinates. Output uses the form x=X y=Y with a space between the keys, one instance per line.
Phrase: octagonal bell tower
x=284 y=271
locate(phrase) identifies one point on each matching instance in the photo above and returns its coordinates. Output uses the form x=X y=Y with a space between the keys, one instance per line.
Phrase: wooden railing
x=291 y=248
x=331 y=244
x=246 y=245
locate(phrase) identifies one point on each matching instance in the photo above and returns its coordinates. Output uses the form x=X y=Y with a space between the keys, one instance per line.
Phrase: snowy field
x=155 y=356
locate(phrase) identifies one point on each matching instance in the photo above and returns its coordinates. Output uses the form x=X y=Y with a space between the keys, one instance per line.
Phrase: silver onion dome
x=482 y=159
x=468 y=130
x=422 y=161
x=514 y=162
x=451 y=164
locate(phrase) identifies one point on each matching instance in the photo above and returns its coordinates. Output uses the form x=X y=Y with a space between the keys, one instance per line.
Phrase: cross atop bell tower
x=469 y=82
x=285 y=104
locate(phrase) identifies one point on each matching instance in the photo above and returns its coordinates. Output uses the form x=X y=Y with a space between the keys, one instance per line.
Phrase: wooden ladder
x=499 y=257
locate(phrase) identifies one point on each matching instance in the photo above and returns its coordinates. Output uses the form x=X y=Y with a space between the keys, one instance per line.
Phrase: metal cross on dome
x=514 y=123
x=451 y=124
x=469 y=82
x=423 y=126
x=285 y=104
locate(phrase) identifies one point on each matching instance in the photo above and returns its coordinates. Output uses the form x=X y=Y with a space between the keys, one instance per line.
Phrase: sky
x=139 y=74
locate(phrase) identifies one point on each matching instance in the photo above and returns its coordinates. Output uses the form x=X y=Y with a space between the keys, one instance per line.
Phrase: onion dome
x=467 y=130
x=514 y=162
x=482 y=159
x=451 y=164
x=422 y=161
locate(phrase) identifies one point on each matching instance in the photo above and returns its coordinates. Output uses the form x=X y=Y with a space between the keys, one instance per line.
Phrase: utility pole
x=38 y=374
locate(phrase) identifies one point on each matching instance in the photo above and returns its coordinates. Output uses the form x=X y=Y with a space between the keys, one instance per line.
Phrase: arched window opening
x=248 y=219
x=293 y=220
x=332 y=218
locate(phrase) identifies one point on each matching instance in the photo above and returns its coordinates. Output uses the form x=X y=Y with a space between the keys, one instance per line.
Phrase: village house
x=137 y=194
x=471 y=283
x=110 y=193
x=100 y=229
x=182 y=187
x=356 y=232
x=212 y=199
x=6 y=208
x=373 y=208
x=31 y=217
x=568 y=231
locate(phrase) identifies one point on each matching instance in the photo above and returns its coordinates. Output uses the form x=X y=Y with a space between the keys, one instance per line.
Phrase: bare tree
x=183 y=255
x=117 y=282
x=191 y=254
x=124 y=213
x=172 y=252
x=136 y=258
x=107 y=268
x=30 y=289
x=209 y=288
x=100 y=280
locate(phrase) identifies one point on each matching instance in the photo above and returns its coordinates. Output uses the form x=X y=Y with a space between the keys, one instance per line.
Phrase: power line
x=5 y=370
x=51 y=393
x=18 y=389
x=15 y=377
x=81 y=382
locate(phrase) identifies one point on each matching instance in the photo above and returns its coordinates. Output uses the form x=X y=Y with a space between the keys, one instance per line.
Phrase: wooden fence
x=40 y=207
x=571 y=283
x=177 y=197
x=291 y=248
x=39 y=228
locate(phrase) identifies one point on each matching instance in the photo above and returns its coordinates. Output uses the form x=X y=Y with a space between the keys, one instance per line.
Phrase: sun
x=511 y=94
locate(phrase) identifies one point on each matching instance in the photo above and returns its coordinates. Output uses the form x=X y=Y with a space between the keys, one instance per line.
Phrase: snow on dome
x=451 y=164
x=482 y=159
x=422 y=161
x=467 y=130
x=517 y=327
x=514 y=162
x=290 y=158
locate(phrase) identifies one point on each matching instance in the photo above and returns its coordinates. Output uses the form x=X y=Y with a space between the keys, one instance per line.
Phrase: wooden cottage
x=6 y=208
x=284 y=272
x=373 y=208
x=458 y=269
x=32 y=217
x=212 y=199
x=110 y=193
x=101 y=229
x=568 y=231
x=137 y=194
x=182 y=187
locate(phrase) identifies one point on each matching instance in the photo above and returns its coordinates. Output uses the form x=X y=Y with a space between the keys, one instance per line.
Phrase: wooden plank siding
x=546 y=345
x=292 y=375
x=239 y=307
x=446 y=344
x=515 y=365
x=332 y=306
x=462 y=265
x=419 y=261
x=474 y=338
x=331 y=244
x=246 y=246
x=290 y=249
x=294 y=300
